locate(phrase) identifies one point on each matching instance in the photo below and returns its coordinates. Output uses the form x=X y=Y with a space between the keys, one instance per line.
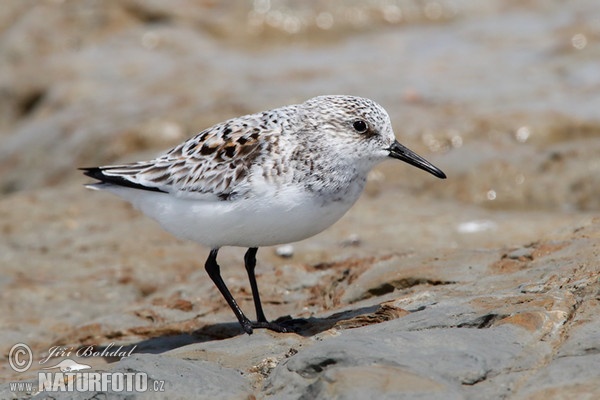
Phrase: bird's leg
x=250 y=263
x=214 y=271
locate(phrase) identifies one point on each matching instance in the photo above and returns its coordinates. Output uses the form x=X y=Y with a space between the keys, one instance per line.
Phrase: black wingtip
x=98 y=173
x=93 y=172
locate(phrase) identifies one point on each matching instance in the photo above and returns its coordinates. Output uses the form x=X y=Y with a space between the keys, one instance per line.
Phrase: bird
x=68 y=365
x=269 y=178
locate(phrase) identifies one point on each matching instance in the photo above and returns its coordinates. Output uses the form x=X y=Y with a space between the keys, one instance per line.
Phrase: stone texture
x=481 y=286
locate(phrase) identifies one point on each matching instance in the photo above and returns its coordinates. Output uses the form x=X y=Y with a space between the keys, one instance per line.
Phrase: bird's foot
x=281 y=325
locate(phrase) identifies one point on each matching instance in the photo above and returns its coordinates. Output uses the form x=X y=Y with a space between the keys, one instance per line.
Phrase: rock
x=170 y=377
x=285 y=251
x=484 y=285
x=437 y=362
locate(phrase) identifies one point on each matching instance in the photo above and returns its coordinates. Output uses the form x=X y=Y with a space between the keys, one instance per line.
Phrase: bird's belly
x=253 y=222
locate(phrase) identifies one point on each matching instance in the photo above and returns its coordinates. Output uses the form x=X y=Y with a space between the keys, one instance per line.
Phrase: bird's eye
x=360 y=126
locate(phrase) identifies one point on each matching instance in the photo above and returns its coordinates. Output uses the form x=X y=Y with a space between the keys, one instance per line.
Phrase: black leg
x=214 y=271
x=250 y=262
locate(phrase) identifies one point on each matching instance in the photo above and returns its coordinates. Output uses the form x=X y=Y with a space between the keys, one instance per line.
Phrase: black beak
x=402 y=153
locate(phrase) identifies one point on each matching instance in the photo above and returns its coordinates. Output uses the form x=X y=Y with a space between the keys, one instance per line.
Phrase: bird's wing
x=214 y=164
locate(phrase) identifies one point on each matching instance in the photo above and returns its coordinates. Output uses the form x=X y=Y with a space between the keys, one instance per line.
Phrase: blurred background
x=502 y=95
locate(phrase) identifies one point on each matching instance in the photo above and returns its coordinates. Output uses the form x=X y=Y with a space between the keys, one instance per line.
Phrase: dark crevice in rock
x=313 y=369
x=149 y=15
x=470 y=381
x=481 y=322
x=29 y=103
x=403 y=283
x=484 y=321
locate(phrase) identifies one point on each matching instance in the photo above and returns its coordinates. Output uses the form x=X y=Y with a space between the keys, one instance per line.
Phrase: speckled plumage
x=288 y=144
x=268 y=178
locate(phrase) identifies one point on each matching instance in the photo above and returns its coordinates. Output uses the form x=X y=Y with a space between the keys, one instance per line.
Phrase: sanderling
x=269 y=178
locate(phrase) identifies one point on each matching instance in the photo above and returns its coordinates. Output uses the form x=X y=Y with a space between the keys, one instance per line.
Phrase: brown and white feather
x=217 y=163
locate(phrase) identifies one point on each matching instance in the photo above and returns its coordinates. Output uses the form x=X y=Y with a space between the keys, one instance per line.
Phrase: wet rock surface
x=485 y=285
